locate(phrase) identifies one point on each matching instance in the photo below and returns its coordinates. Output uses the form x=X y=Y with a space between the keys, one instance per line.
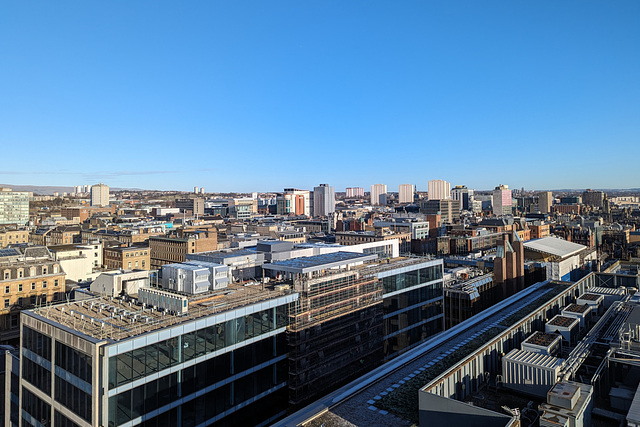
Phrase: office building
x=379 y=194
x=354 y=192
x=501 y=201
x=545 y=201
x=168 y=250
x=593 y=198
x=194 y=205
x=294 y=202
x=464 y=196
x=14 y=207
x=439 y=189
x=449 y=210
x=100 y=195
x=406 y=193
x=324 y=200
x=350 y=315
x=157 y=358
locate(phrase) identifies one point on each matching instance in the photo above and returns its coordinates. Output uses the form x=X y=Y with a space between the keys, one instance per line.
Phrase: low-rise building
x=11 y=236
x=127 y=257
x=29 y=276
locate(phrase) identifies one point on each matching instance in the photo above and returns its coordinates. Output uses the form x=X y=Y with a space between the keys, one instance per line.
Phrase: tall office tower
x=464 y=196
x=355 y=192
x=77 y=189
x=502 y=201
x=545 y=200
x=201 y=190
x=324 y=200
x=379 y=194
x=439 y=190
x=100 y=195
x=405 y=193
x=14 y=207
x=196 y=190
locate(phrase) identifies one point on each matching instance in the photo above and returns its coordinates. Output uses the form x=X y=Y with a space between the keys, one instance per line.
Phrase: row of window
x=34 y=299
x=416 y=296
x=20 y=286
x=129 y=366
x=33 y=271
x=156 y=394
x=416 y=277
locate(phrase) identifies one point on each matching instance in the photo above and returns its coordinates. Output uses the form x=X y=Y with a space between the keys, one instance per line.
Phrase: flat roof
x=123 y=320
x=309 y=264
x=554 y=246
x=221 y=254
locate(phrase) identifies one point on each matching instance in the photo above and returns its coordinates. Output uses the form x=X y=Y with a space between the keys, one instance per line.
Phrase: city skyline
x=260 y=97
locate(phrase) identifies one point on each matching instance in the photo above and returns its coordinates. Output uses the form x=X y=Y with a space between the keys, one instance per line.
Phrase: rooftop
x=309 y=264
x=554 y=246
x=117 y=319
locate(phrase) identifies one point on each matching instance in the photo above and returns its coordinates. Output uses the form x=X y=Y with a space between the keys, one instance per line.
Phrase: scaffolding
x=335 y=331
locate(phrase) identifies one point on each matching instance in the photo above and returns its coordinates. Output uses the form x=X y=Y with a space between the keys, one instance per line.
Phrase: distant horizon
x=52 y=188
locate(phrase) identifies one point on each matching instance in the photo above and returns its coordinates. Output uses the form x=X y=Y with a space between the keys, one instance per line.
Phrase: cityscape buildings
x=14 y=207
x=406 y=193
x=502 y=200
x=439 y=189
x=324 y=200
x=379 y=194
x=352 y=192
x=100 y=195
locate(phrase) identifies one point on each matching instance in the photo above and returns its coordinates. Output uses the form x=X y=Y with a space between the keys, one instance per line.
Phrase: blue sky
x=258 y=96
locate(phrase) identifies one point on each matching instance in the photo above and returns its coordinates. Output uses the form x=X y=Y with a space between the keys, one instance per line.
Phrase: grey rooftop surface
x=309 y=264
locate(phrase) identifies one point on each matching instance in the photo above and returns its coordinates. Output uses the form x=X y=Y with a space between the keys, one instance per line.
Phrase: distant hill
x=48 y=190
x=45 y=190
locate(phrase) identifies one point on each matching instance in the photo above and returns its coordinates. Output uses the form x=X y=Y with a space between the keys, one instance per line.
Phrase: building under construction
x=335 y=329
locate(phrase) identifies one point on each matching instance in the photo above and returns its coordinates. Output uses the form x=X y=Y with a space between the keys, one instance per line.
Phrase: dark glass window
x=74 y=362
x=36 y=374
x=73 y=398
x=35 y=407
x=38 y=343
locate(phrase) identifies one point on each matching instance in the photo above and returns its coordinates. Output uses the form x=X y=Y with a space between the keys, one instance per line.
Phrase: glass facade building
x=198 y=372
x=412 y=304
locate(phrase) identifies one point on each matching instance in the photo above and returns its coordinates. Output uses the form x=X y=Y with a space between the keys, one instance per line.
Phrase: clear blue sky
x=242 y=96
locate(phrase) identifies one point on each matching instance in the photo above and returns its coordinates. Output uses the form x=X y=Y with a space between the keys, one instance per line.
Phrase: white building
x=100 y=195
x=14 y=207
x=439 y=189
x=405 y=193
x=502 y=201
x=294 y=202
x=324 y=200
x=379 y=194
x=352 y=192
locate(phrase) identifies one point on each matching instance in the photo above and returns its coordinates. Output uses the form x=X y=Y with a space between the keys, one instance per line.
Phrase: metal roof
x=554 y=246
x=534 y=359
